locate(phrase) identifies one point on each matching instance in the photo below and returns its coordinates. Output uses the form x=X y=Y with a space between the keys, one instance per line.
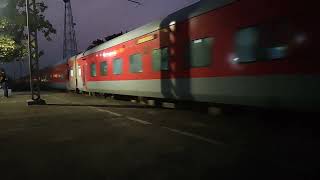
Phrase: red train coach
x=55 y=77
x=223 y=51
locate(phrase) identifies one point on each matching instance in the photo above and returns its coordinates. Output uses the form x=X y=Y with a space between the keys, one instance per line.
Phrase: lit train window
x=264 y=42
x=93 y=70
x=79 y=71
x=136 y=63
x=160 y=59
x=71 y=72
x=117 y=66
x=103 y=68
x=200 y=52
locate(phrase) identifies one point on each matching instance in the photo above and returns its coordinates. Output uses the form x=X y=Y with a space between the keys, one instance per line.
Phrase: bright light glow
x=172 y=26
x=236 y=59
x=198 y=41
x=146 y=39
x=110 y=54
x=121 y=50
x=172 y=23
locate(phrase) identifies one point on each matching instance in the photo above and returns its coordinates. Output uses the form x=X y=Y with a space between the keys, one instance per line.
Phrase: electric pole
x=35 y=80
x=69 y=40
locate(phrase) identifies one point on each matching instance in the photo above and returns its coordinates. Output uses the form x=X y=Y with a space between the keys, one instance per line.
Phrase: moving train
x=242 y=52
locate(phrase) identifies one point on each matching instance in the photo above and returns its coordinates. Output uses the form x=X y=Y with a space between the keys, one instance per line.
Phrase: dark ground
x=80 y=137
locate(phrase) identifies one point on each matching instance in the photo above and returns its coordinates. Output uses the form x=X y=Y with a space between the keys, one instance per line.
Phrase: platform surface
x=81 y=137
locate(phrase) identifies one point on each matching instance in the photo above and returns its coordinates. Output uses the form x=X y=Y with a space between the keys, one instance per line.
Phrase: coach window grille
x=103 y=68
x=117 y=66
x=160 y=59
x=136 y=63
x=264 y=42
x=247 y=44
x=200 y=52
x=93 y=70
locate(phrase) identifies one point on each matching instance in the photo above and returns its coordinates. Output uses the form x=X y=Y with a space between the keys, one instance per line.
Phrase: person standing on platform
x=4 y=82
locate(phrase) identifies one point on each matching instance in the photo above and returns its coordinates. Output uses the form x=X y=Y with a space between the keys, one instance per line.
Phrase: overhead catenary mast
x=35 y=81
x=69 y=40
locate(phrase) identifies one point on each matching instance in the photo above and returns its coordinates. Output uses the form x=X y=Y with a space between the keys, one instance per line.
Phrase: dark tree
x=95 y=43
x=13 y=38
x=100 y=41
x=108 y=38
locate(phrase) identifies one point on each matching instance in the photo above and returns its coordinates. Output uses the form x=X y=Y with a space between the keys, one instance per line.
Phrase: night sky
x=100 y=18
x=97 y=19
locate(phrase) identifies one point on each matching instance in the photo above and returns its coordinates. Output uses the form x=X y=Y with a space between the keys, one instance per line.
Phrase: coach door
x=80 y=77
x=83 y=75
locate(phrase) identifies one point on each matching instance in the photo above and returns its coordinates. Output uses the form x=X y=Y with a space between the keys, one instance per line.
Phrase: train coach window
x=264 y=42
x=274 y=40
x=160 y=59
x=136 y=63
x=117 y=66
x=200 y=52
x=246 y=44
x=103 y=68
x=93 y=70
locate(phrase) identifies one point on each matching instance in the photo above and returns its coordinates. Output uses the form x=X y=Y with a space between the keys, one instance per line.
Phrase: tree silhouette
x=100 y=41
x=12 y=29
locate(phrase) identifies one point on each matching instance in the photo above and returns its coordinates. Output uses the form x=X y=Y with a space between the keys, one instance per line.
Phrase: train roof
x=60 y=62
x=194 y=10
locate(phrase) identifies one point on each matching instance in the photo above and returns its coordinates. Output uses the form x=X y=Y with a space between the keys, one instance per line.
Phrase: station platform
x=84 y=137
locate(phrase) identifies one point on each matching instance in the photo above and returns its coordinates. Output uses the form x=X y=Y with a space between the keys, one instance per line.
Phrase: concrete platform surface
x=80 y=137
